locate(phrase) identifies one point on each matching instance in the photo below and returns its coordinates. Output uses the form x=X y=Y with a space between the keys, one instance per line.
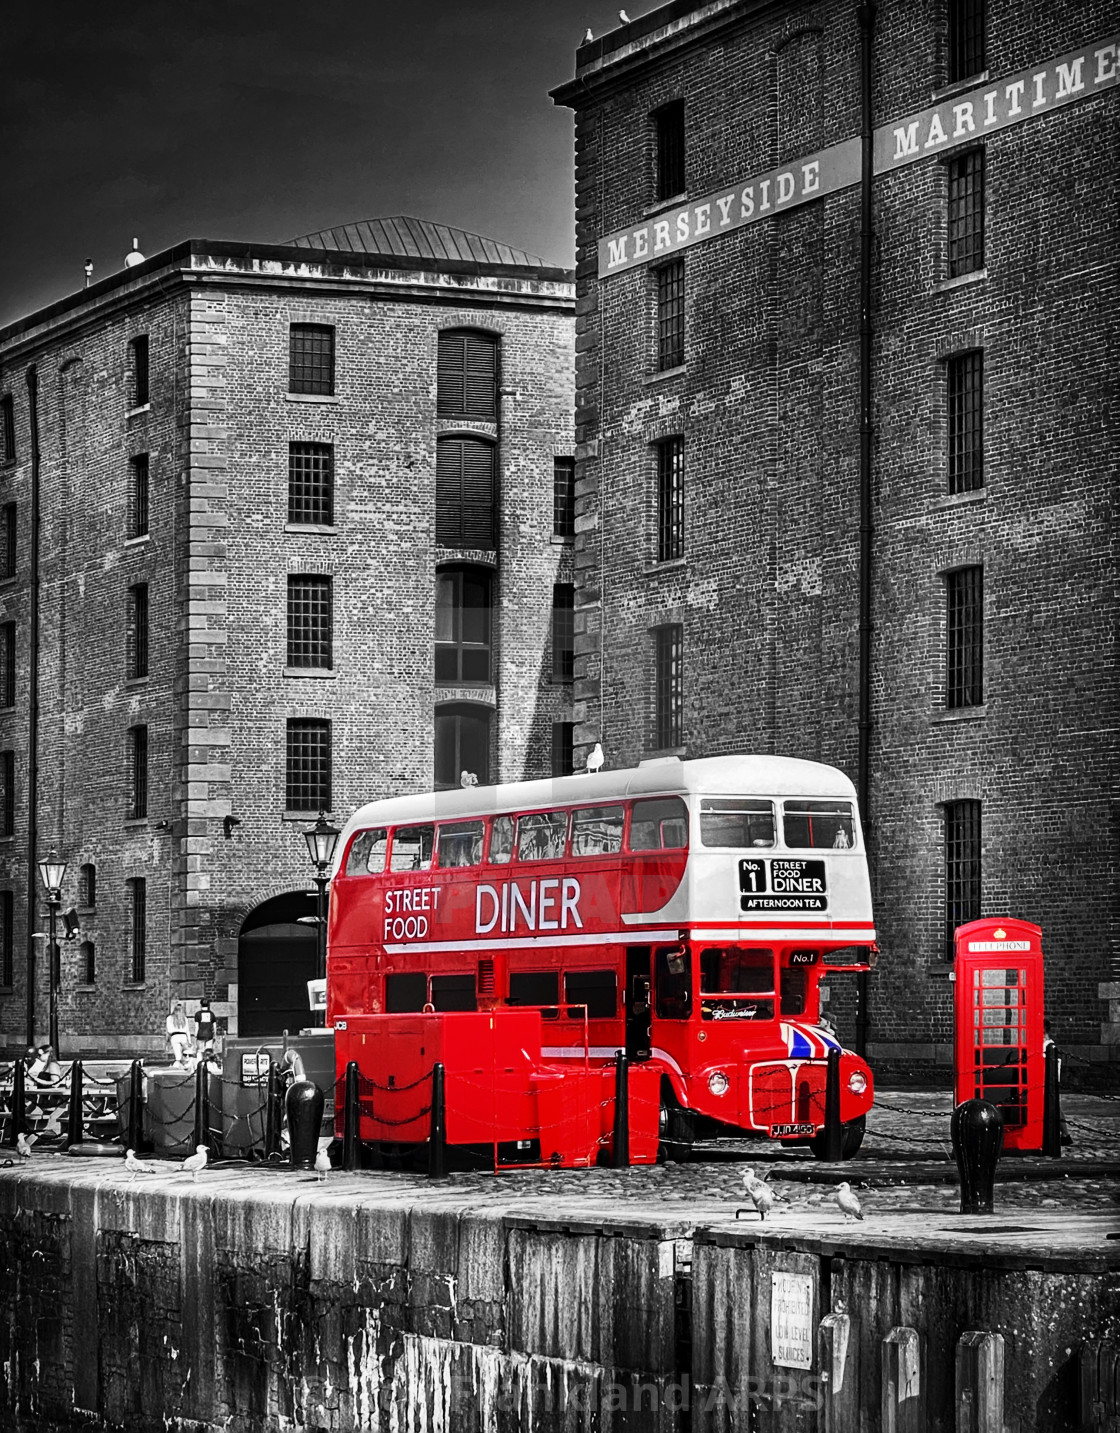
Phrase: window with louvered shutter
x=465 y=492
x=467 y=374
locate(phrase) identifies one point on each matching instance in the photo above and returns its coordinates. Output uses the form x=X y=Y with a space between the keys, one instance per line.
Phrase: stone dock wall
x=257 y=1300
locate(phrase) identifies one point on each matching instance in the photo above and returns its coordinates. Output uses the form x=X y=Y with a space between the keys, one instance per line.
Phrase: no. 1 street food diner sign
x=964 y=117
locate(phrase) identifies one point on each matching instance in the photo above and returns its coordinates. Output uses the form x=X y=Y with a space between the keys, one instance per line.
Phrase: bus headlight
x=857 y=1082
x=718 y=1083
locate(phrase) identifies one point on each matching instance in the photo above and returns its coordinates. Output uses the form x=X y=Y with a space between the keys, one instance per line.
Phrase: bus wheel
x=676 y=1132
x=851 y=1137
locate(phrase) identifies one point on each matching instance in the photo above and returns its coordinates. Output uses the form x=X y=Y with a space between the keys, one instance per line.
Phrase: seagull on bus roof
x=468 y=778
x=622 y=15
x=850 y=1206
x=588 y=37
x=596 y=759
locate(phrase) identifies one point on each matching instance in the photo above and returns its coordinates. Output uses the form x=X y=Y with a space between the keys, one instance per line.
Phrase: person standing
x=178 y=1035
x=204 y=1029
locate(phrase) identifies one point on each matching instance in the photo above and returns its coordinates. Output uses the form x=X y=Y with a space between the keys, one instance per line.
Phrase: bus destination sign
x=781 y=883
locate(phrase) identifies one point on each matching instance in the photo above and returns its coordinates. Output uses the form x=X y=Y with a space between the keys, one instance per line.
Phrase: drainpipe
x=33 y=705
x=865 y=14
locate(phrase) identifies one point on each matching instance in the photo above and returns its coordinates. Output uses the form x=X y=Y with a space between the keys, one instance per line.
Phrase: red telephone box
x=998 y=1041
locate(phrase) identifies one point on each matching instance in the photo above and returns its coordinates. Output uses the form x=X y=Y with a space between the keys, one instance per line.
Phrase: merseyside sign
x=963 y=118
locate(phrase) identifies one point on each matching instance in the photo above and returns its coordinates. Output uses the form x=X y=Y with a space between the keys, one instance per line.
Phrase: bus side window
x=460 y=843
x=405 y=992
x=501 y=839
x=454 y=992
x=597 y=989
x=597 y=830
x=367 y=852
x=541 y=835
x=535 y=987
x=673 y=983
x=412 y=848
x=660 y=825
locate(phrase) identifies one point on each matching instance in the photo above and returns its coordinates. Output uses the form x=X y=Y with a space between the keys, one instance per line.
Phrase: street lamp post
x=51 y=872
x=321 y=840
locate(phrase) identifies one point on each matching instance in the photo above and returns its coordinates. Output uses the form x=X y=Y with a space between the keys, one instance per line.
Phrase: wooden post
x=902 y=1408
x=838 y=1350
x=979 y=1382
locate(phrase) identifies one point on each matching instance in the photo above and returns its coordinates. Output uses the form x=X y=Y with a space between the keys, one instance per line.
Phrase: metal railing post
x=620 y=1137
x=437 y=1140
x=135 y=1105
x=74 y=1116
x=351 y=1133
x=833 y=1130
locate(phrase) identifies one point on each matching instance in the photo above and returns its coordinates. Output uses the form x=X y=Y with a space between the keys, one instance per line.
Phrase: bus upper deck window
x=412 y=848
x=460 y=843
x=659 y=825
x=736 y=821
x=367 y=853
x=541 y=836
x=597 y=830
x=807 y=824
x=501 y=839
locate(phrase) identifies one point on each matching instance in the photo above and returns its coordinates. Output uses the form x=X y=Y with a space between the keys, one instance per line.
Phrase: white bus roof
x=710 y=775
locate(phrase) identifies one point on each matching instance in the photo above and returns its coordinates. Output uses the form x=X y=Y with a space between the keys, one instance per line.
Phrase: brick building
x=845 y=455
x=284 y=529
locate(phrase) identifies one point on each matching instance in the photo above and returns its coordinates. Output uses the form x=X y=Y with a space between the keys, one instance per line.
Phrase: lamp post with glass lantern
x=321 y=840
x=51 y=872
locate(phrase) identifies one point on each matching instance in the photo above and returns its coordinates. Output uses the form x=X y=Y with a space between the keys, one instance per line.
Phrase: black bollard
x=18 y=1122
x=202 y=1105
x=135 y=1106
x=304 y=1105
x=273 y=1108
x=833 y=1131
x=977 y=1133
x=437 y=1139
x=75 y=1116
x=620 y=1136
x=351 y=1133
x=1051 y=1107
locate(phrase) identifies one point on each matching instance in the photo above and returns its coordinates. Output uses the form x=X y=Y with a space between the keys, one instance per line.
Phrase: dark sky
x=267 y=119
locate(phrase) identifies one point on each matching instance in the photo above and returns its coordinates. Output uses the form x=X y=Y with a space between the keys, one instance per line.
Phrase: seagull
x=467 y=778
x=588 y=38
x=23 y=1148
x=322 y=1164
x=849 y=1204
x=595 y=760
x=622 y=15
x=760 y=1195
x=138 y=1166
x=195 y=1163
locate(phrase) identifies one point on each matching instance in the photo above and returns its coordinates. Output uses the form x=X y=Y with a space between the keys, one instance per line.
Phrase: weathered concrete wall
x=261 y=1300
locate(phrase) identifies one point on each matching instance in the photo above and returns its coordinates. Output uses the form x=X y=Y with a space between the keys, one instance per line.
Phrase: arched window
x=462 y=744
x=87 y=886
x=463 y=627
x=467 y=374
x=466 y=488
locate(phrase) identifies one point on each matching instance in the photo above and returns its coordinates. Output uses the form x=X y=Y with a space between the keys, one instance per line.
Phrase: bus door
x=638 y=1008
x=998 y=1045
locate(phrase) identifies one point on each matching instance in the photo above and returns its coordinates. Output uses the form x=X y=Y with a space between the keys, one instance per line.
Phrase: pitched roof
x=405 y=237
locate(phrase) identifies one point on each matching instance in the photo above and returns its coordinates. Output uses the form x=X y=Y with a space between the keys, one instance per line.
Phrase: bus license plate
x=784 y=1131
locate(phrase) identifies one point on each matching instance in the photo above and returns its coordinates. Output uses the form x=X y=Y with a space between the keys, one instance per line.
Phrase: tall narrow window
x=463 y=624
x=965 y=602
x=8 y=664
x=966 y=38
x=138 y=772
x=466 y=483
x=7 y=793
x=138 y=631
x=668 y=697
x=7 y=429
x=563 y=754
x=962 y=867
x=87 y=962
x=467 y=374
x=564 y=497
x=8 y=531
x=87 y=886
x=966 y=422
x=141 y=392
x=138 y=495
x=563 y=631
x=669 y=124
x=670 y=314
x=138 y=902
x=309 y=622
x=462 y=743
x=7 y=938
x=311 y=483
x=966 y=213
x=311 y=358
x=307 y=781
x=670 y=499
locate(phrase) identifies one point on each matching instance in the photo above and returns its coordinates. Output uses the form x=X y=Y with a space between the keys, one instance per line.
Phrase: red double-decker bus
x=682 y=912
